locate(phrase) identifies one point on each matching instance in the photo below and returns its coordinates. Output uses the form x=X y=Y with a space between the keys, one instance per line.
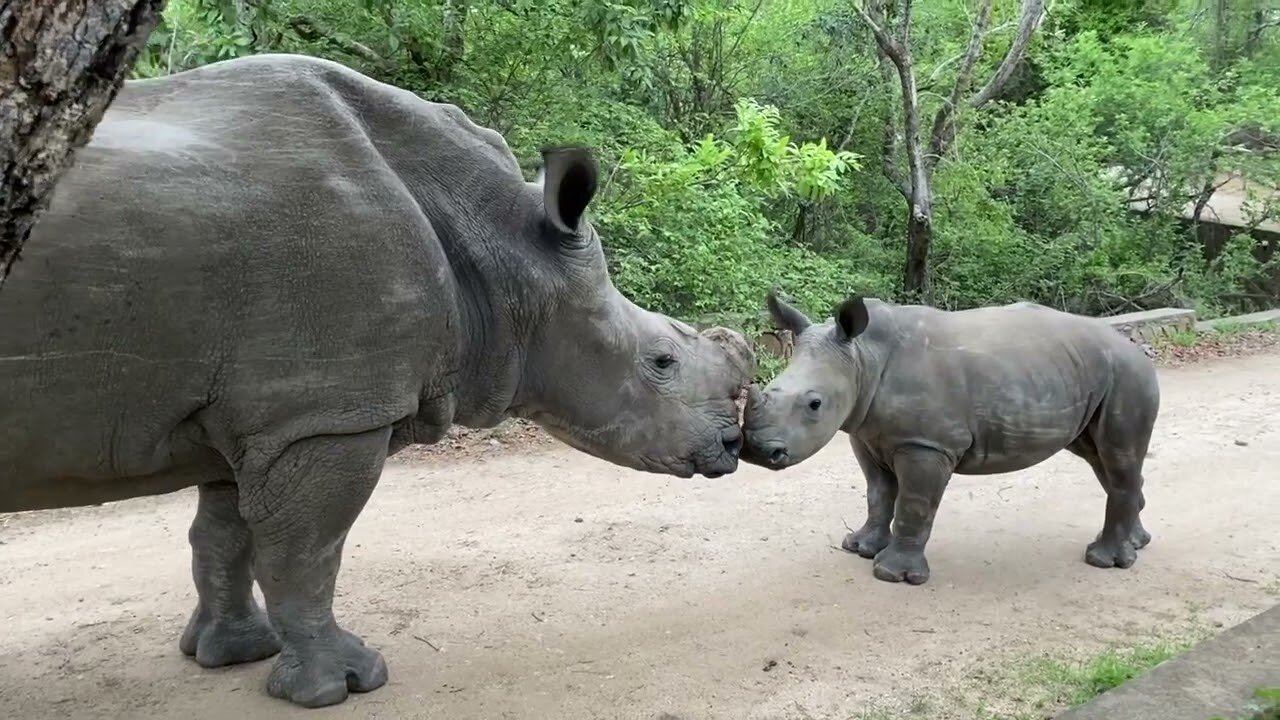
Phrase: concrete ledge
x=1151 y=324
x=1258 y=318
x=1216 y=677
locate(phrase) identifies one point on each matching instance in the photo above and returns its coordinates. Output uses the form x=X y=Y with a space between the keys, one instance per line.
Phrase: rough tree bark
x=893 y=48
x=61 y=64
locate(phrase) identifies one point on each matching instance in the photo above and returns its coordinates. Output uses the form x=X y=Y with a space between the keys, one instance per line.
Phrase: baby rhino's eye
x=664 y=361
x=815 y=404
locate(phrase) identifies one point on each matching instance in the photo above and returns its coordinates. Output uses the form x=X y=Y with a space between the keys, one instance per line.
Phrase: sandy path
x=669 y=598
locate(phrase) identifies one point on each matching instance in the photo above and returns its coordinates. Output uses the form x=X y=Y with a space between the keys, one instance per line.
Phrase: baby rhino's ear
x=851 y=318
x=785 y=316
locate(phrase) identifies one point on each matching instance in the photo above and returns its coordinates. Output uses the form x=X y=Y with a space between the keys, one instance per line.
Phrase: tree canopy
x=1074 y=154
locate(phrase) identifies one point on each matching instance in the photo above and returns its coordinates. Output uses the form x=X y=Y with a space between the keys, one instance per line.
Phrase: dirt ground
x=544 y=584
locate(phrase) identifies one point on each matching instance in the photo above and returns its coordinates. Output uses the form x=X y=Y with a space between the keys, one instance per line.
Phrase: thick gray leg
x=227 y=626
x=1123 y=506
x=300 y=511
x=922 y=477
x=1122 y=532
x=882 y=492
x=1115 y=444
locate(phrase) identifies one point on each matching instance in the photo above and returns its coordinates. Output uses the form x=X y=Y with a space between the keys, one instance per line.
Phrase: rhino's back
x=231 y=261
x=1020 y=372
x=1020 y=331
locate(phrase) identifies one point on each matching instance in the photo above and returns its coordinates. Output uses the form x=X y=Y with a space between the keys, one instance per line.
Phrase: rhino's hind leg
x=227 y=626
x=882 y=493
x=922 y=475
x=300 y=511
x=1119 y=471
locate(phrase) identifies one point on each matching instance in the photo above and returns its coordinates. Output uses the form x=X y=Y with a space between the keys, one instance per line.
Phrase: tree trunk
x=453 y=42
x=917 y=281
x=61 y=64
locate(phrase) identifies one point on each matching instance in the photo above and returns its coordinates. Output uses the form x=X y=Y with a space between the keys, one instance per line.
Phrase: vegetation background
x=748 y=144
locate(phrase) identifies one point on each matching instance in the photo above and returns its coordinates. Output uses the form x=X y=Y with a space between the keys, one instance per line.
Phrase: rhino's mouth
x=771 y=454
x=720 y=458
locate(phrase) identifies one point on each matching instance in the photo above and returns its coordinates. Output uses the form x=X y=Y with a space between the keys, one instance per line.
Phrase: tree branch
x=904 y=15
x=311 y=30
x=889 y=158
x=944 y=128
x=1032 y=14
x=891 y=58
x=873 y=15
x=1205 y=195
x=1255 y=34
x=927 y=85
x=852 y=126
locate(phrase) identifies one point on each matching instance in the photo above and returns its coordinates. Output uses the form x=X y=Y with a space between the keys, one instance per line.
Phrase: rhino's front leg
x=300 y=511
x=922 y=477
x=227 y=626
x=882 y=493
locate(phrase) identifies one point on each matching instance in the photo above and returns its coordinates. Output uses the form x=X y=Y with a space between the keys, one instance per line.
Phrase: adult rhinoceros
x=264 y=276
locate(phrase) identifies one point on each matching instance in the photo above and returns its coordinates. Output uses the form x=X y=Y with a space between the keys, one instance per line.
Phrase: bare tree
x=61 y=64
x=893 y=48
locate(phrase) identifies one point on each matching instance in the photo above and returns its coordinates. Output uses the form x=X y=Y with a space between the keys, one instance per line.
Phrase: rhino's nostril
x=778 y=456
x=732 y=440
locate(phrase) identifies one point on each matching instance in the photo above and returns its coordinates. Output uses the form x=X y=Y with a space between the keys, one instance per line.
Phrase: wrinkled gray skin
x=263 y=276
x=925 y=393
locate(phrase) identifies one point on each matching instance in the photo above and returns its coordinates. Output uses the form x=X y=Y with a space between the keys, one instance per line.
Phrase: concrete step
x=1148 y=325
x=1218 y=677
x=1258 y=318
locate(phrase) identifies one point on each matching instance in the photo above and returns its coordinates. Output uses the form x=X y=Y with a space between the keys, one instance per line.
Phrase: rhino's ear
x=785 y=316
x=851 y=318
x=568 y=177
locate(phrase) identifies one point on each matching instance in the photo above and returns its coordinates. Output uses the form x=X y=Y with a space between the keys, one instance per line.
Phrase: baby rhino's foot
x=867 y=540
x=1107 y=552
x=897 y=563
x=218 y=641
x=322 y=670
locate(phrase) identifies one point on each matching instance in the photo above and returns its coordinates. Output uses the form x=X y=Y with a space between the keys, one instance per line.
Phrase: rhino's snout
x=731 y=438
x=769 y=453
x=727 y=462
x=761 y=446
x=776 y=454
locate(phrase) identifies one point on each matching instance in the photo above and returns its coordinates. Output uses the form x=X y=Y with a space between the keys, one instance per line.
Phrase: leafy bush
x=742 y=142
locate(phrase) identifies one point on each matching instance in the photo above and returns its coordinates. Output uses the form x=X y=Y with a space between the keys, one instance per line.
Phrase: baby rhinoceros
x=924 y=393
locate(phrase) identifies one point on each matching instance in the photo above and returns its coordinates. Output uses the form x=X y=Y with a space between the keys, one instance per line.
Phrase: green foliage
x=1084 y=681
x=1266 y=706
x=686 y=234
x=192 y=34
x=1183 y=338
x=741 y=141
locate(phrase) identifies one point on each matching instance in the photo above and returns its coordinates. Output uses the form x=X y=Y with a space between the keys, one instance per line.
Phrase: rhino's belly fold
x=21 y=491
x=1005 y=450
x=64 y=492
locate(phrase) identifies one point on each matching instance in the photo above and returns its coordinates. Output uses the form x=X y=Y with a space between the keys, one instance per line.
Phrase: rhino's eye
x=814 y=404
x=664 y=361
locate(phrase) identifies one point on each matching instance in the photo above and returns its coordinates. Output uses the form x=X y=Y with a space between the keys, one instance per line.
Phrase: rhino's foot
x=867 y=541
x=1139 y=538
x=324 y=670
x=229 y=640
x=896 y=563
x=1108 y=553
